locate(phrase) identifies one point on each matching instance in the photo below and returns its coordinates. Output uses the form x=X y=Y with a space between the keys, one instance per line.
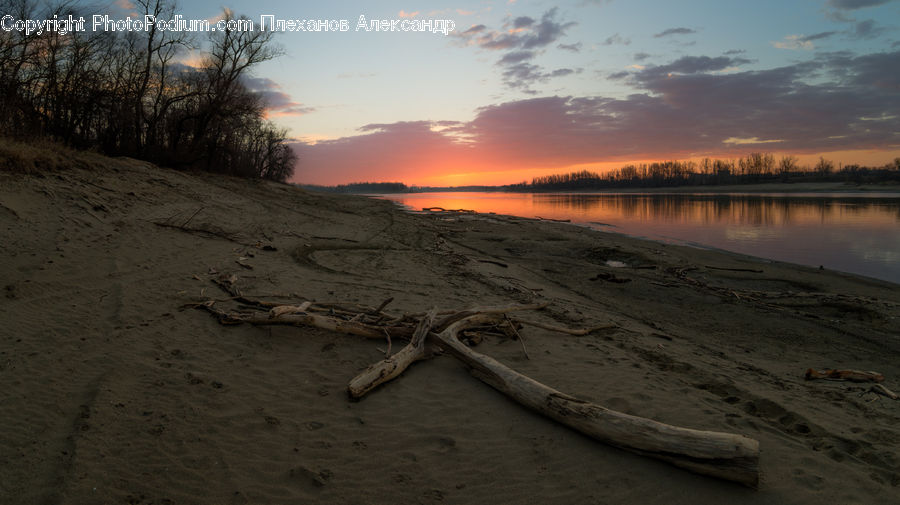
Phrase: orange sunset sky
x=524 y=88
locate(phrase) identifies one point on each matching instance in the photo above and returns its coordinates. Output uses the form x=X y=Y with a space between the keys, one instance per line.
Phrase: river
x=850 y=232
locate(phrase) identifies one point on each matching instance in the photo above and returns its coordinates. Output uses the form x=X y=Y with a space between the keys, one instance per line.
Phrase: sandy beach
x=115 y=393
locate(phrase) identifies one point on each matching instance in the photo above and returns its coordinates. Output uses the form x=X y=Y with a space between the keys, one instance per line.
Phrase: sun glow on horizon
x=450 y=175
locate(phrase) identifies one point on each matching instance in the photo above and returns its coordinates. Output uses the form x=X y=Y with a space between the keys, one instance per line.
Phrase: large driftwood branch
x=722 y=455
x=307 y=319
x=388 y=368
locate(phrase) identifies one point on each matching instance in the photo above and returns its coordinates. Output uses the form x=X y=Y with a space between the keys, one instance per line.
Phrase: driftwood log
x=723 y=455
x=393 y=366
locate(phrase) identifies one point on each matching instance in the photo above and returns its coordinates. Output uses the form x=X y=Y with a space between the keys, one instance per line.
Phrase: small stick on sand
x=844 y=375
x=518 y=336
x=880 y=389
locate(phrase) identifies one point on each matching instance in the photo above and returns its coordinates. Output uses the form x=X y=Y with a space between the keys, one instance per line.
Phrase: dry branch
x=727 y=456
x=456 y=316
x=723 y=455
x=307 y=319
x=389 y=368
x=880 y=389
x=289 y=309
x=844 y=375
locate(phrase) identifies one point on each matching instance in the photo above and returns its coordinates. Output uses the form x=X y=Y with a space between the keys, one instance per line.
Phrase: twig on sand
x=880 y=389
x=188 y=220
x=518 y=336
x=844 y=375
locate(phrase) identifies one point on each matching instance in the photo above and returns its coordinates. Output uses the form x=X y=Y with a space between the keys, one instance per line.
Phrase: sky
x=522 y=88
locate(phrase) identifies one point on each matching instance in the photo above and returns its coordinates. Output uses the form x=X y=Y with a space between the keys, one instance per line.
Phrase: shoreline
x=861 y=268
x=117 y=391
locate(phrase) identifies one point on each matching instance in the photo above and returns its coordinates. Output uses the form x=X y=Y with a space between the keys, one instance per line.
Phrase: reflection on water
x=857 y=233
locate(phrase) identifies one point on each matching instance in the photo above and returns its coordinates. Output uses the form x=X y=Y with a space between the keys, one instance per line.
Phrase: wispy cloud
x=839 y=10
x=794 y=42
x=819 y=36
x=675 y=31
x=276 y=102
x=749 y=141
x=404 y=14
x=616 y=39
x=867 y=29
x=855 y=4
x=804 y=42
x=575 y=48
x=522 y=38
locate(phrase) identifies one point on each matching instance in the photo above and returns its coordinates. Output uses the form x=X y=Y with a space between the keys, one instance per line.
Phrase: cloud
x=838 y=10
x=404 y=14
x=522 y=33
x=547 y=31
x=818 y=36
x=867 y=29
x=684 y=108
x=524 y=75
x=276 y=102
x=855 y=4
x=641 y=56
x=521 y=39
x=616 y=39
x=523 y=22
x=749 y=141
x=515 y=57
x=691 y=65
x=675 y=31
x=794 y=42
x=475 y=29
x=575 y=48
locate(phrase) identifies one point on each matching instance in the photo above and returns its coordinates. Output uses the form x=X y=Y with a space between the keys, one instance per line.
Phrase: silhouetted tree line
x=362 y=187
x=125 y=93
x=755 y=168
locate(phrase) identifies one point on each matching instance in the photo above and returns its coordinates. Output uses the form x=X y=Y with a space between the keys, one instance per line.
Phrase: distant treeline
x=362 y=187
x=125 y=92
x=756 y=168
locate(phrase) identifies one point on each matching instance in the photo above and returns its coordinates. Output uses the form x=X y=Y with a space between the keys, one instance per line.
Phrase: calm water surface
x=850 y=232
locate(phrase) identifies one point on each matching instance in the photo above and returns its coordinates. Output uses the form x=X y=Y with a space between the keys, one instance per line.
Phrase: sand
x=113 y=393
